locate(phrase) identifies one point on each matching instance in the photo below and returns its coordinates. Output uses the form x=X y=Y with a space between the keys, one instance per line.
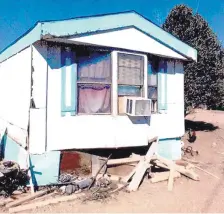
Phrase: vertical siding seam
x=46 y=120
x=63 y=78
x=31 y=76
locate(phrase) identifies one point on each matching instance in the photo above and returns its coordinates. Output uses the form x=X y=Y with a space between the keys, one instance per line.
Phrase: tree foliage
x=204 y=79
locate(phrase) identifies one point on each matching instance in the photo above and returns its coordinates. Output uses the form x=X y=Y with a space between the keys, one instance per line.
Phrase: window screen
x=130 y=69
x=130 y=77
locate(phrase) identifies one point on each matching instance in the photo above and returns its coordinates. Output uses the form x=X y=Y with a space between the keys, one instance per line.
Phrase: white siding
x=39 y=64
x=130 y=39
x=106 y=131
x=170 y=124
x=15 y=89
x=37 y=131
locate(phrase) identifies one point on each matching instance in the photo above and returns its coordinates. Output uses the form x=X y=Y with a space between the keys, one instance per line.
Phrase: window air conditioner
x=138 y=106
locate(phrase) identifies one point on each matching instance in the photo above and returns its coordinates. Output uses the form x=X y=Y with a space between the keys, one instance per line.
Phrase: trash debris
x=189 y=150
x=12 y=178
x=71 y=183
x=103 y=185
x=191 y=136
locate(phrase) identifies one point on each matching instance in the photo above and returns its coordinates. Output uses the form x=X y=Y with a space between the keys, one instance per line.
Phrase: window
x=130 y=77
x=94 y=83
x=153 y=87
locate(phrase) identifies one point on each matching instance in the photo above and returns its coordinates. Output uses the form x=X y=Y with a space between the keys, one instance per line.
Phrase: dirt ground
x=205 y=195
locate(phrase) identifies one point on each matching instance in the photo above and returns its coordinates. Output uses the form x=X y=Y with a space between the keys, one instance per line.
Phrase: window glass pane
x=130 y=76
x=94 y=98
x=94 y=68
x=130 y=69
x=152 y=92
x=152 y=79
x=130 y=61
x=129 y=90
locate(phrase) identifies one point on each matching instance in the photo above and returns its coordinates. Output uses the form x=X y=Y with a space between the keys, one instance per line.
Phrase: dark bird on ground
x=191 y=136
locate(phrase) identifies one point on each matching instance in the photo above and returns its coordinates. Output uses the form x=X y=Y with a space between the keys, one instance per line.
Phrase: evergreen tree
x=203 y=80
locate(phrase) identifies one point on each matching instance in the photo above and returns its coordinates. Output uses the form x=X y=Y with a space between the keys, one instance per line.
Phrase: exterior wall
x=87 y=131
x=103 y=131
x=15 y=91
x=170 y=123
x=39 y=91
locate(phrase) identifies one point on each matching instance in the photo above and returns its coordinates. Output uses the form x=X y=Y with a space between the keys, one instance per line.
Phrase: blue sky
x=17 y=16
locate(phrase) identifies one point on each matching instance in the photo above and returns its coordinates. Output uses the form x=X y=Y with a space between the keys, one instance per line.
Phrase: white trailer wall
x=38 y=112
x=94 y=131
x=15 y=90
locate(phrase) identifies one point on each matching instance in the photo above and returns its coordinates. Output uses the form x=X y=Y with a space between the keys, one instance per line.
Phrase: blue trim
x=63 y=79
x=166 y=139
x=100 y=22
x=73 y=107
x=115 y=13
x=30 y=37
x=162 y=89
x=68 y=59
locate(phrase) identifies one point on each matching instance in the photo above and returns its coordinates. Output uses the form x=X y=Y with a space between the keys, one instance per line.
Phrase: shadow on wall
x=199 y=126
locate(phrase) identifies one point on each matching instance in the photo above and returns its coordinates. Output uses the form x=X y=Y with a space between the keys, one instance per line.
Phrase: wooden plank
x=171 y=177
x=128 y=177
x=203 y=170
x=120 y=161
x=45 y=203
x=142 y=167
x=209 y=173
x=139 y=174
x=185 y=164
x=163 y=176
x=165 y=163
x=28 y=198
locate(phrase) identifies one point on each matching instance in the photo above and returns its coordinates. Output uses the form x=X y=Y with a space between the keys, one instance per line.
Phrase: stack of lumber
x=143 y=164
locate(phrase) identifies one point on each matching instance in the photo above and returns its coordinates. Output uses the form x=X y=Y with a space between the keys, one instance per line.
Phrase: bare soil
x=205 y=195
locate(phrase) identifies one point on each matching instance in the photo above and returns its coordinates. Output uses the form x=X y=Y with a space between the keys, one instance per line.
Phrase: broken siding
x=39 y=64
x=44 y=167
x=37 y=135
x=15 y=91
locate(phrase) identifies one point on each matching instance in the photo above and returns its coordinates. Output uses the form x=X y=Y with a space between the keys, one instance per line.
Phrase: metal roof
x=98 y=23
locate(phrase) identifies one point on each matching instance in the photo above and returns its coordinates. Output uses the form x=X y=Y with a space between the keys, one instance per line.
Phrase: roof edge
x=26 y=39
x=35 y=33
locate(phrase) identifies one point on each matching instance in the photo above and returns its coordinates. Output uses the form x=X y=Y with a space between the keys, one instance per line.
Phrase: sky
x=17 y=16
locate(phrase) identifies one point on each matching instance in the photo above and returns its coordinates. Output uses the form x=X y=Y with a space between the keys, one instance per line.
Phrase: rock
x=62 y=189
x=84 y=183
x=70 y=189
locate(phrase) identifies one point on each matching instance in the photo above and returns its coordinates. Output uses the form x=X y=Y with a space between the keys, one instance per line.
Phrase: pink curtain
x=94 y=99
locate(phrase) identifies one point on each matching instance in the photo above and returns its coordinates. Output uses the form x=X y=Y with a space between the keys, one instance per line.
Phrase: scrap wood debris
x=145 y=164
x=102 y=186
